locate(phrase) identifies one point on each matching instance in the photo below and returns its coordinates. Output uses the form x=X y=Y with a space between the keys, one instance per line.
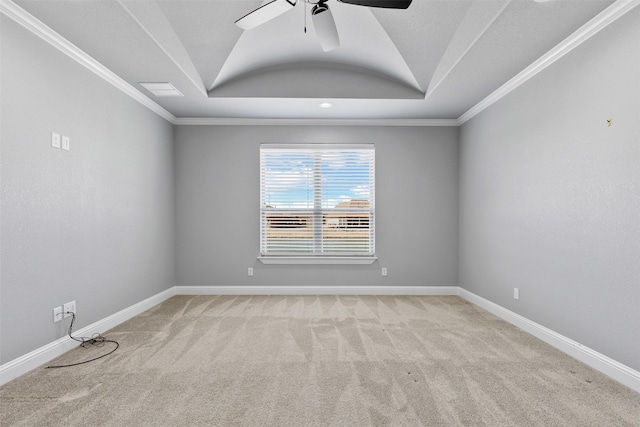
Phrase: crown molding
x=582 y=34
x=204 y=121
x=37 y=27
x=464 y=53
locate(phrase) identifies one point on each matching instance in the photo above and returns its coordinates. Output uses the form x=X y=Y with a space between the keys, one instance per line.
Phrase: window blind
x=317 y=200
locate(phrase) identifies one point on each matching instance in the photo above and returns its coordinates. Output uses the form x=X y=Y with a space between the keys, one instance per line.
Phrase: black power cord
x=96 y=340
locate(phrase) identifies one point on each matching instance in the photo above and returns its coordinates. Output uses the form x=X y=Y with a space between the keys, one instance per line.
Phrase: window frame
x=317 y=211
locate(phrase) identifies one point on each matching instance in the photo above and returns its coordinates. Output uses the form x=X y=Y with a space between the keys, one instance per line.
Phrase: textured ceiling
x=434 y=60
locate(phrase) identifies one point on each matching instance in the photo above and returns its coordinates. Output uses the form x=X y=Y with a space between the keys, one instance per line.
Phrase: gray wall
x=550 y=196
x=218 y=201
x=95 y=224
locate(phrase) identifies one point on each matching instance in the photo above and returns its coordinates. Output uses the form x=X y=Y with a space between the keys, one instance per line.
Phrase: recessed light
x=161 y=89
x=326 y=105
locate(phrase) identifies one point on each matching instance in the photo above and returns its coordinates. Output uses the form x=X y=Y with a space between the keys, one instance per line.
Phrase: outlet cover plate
x=55 y=140
x=70 y=306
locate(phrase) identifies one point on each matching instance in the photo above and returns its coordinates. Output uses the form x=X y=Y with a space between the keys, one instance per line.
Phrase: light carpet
x=319 y=361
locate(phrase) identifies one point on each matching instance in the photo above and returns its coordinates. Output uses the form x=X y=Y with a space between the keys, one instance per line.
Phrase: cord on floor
x=96 y=340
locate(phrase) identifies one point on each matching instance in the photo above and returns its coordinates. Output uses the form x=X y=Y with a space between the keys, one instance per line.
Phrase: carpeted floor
x=319 y=361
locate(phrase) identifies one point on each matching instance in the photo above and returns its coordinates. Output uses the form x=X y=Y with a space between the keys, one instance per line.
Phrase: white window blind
x=317 y=200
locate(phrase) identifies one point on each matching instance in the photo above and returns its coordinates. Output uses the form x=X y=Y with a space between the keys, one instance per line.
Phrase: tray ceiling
x=435 y=60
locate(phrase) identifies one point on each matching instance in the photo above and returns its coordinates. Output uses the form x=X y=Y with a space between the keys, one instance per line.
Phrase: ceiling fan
x=321 y=16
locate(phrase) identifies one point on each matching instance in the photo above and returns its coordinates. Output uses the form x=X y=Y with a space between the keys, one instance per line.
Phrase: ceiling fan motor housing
x=320 y=7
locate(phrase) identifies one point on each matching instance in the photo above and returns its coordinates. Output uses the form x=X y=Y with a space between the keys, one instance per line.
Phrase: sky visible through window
x=290 y=181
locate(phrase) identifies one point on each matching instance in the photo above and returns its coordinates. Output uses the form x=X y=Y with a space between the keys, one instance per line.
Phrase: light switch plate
x=66 y=143
x=55 y=140
x=57 y=314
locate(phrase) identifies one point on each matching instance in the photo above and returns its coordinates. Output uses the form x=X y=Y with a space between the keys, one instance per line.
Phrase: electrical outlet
x=384 y=271
x=57 y=314
x=69 y=308
x=250 y=271
x=516 y=293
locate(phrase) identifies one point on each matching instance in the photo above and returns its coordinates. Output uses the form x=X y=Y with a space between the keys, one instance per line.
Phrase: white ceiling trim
x=37 y=27
x=440 y=75
x=152 y=20
x=591 y=28
x=196 y=121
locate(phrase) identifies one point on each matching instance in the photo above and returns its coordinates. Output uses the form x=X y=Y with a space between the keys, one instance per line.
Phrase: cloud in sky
x=289 y=180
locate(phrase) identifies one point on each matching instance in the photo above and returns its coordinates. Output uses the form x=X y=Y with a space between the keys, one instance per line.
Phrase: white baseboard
x=42 y=355
x=316 y=290
x=598 y=361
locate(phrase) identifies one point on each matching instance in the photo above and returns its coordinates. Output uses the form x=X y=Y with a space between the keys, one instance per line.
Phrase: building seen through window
x=317 y=201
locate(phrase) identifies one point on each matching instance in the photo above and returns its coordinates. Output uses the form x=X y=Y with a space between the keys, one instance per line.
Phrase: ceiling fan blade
x=265 y=13
x=385 y=4
x=325 y=27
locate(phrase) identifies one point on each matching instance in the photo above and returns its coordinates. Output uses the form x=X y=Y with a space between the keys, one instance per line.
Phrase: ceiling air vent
x=161 y=89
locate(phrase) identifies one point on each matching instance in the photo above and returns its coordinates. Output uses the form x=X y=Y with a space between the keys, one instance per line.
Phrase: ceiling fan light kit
x=321 y=16
x=325 y=26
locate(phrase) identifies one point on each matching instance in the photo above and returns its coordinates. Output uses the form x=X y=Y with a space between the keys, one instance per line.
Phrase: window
x=317 y=201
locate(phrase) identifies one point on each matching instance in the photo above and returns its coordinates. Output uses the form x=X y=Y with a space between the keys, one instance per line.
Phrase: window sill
x=317 y=260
